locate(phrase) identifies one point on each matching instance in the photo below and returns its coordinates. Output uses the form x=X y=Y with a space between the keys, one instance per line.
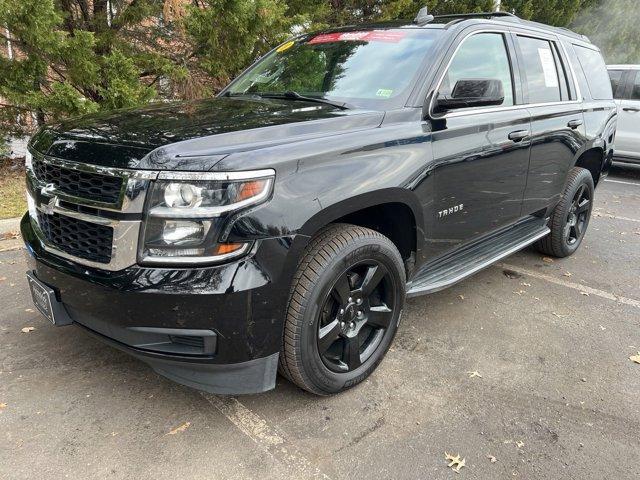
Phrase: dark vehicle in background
x=625 y=83
x=282 y=224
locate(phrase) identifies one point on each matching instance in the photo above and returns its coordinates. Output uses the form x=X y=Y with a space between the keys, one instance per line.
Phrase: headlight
x=186 y=213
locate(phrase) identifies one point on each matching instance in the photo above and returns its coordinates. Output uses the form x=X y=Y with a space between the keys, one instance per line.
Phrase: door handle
x=518 y=135
x=574 y=123
x=631 y=109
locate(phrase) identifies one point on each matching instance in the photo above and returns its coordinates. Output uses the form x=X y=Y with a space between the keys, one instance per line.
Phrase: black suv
x=280 y=225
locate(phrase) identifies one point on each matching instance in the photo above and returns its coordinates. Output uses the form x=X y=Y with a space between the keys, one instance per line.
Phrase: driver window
x=481 y=56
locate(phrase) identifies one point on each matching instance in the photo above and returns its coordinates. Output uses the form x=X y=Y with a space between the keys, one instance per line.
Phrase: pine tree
x=559 y=13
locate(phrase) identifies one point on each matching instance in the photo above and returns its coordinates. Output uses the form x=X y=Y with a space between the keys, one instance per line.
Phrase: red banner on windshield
x=370 y=36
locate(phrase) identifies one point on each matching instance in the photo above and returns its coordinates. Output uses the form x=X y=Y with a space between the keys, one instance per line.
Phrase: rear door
x=628 y=136
x=557 y=121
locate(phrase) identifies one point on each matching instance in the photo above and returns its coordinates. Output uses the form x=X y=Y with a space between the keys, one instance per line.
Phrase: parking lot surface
x=523 y=370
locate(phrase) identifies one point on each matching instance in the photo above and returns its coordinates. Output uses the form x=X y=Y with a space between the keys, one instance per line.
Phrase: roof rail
x=464 y=16
x=459 y=17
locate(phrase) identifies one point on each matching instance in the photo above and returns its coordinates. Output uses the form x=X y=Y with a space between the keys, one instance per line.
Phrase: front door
x=481 y=154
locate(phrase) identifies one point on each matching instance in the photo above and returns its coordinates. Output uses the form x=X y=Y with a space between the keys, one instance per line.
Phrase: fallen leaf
x=602 y=327
x=511 y=274
x=635 y=358
x=2 y=279
x=9 y=236
x=520 y=292
x=30 y=310
x=559 y=315
x=180 y=429
x=461 y=297
x=524 y=284
x=474 y=374
x=28 y=329
x=548 y=260
x=454 y=462
x=3 y=406
x=584 y=293
x=567 y=274
x=519 y=444
x=492 y=459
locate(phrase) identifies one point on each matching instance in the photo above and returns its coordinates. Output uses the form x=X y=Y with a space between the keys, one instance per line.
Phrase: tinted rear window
x=596 y=72
x=635 y=87
x=616 y=83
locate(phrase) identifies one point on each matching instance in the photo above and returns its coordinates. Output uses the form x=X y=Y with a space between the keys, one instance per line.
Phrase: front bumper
x=218 y=329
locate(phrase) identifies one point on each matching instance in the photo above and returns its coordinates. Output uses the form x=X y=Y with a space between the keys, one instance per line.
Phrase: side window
x=617 y=85
x=635 y=91
x=481 y=56
x=596 y=72
x=540 y=70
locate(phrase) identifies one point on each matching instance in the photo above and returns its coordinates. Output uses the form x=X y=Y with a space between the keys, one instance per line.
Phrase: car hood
x=193 y=135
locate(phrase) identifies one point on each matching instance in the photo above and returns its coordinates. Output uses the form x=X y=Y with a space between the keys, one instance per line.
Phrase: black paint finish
x=330 y=163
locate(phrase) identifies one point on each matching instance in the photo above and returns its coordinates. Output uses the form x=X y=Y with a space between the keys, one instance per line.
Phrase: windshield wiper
x=291 y=95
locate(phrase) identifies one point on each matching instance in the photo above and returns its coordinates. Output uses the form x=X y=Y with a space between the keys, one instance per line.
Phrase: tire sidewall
x=583 y=179
x=362 y=249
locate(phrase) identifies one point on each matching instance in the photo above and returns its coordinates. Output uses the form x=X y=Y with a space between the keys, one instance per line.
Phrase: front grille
x=92 y=186
x=76 y=237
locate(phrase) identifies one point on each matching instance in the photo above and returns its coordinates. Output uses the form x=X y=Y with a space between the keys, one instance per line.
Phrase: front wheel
x=570 y=218
x=345 y=305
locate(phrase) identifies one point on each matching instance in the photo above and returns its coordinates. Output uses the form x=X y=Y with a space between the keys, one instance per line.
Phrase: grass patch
x=13 y=202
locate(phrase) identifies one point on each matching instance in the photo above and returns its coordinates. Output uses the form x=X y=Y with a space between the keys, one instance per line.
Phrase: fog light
x=181 y=232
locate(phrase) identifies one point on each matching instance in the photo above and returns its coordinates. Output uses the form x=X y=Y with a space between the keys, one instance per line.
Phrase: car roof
x=455 y=22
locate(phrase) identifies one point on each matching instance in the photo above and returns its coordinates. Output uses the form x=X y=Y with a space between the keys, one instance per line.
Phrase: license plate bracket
x=44 y=299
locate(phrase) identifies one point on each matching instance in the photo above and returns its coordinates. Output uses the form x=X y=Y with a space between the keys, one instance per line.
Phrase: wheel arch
x=594 y=160
x=392 y=212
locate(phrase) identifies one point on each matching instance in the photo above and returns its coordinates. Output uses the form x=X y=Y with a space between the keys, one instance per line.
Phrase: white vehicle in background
x=625 y=82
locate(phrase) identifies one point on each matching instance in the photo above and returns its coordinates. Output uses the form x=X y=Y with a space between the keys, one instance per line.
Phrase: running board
x=455 y=267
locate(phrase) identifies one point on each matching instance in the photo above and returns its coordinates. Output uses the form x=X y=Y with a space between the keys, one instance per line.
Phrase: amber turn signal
x=225 y=248
x=251 y=189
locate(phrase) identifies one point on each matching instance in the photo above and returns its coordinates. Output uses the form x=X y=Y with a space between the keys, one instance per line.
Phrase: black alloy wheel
x=570 y=218
x=344 y=308
x=578 y=215
x=355 y=316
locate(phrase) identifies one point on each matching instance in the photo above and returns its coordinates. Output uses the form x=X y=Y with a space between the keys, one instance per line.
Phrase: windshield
x=366 y=69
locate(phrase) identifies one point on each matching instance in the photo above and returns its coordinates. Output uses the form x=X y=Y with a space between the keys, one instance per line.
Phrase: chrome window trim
x=623 y=67
x=477 y=111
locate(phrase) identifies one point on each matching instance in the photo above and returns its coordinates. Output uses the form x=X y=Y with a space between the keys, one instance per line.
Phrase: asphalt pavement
x=523 y=370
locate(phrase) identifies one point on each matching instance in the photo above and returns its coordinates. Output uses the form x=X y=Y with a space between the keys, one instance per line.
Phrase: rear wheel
x=571 y=216
x=345 y=305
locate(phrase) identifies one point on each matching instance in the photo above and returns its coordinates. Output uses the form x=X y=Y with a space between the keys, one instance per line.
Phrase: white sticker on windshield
x=548 y=67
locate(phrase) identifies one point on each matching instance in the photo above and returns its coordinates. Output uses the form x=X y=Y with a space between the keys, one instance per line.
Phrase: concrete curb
x=10 y=225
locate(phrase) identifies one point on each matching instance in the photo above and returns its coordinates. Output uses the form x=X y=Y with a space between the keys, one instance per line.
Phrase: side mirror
x=472 y=93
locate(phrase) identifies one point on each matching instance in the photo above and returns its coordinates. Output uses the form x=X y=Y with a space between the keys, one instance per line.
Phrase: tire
x=570 y=218
x=336 y=332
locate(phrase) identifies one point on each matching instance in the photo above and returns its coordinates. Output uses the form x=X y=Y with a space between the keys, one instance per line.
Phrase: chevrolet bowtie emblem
x=47 y=208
